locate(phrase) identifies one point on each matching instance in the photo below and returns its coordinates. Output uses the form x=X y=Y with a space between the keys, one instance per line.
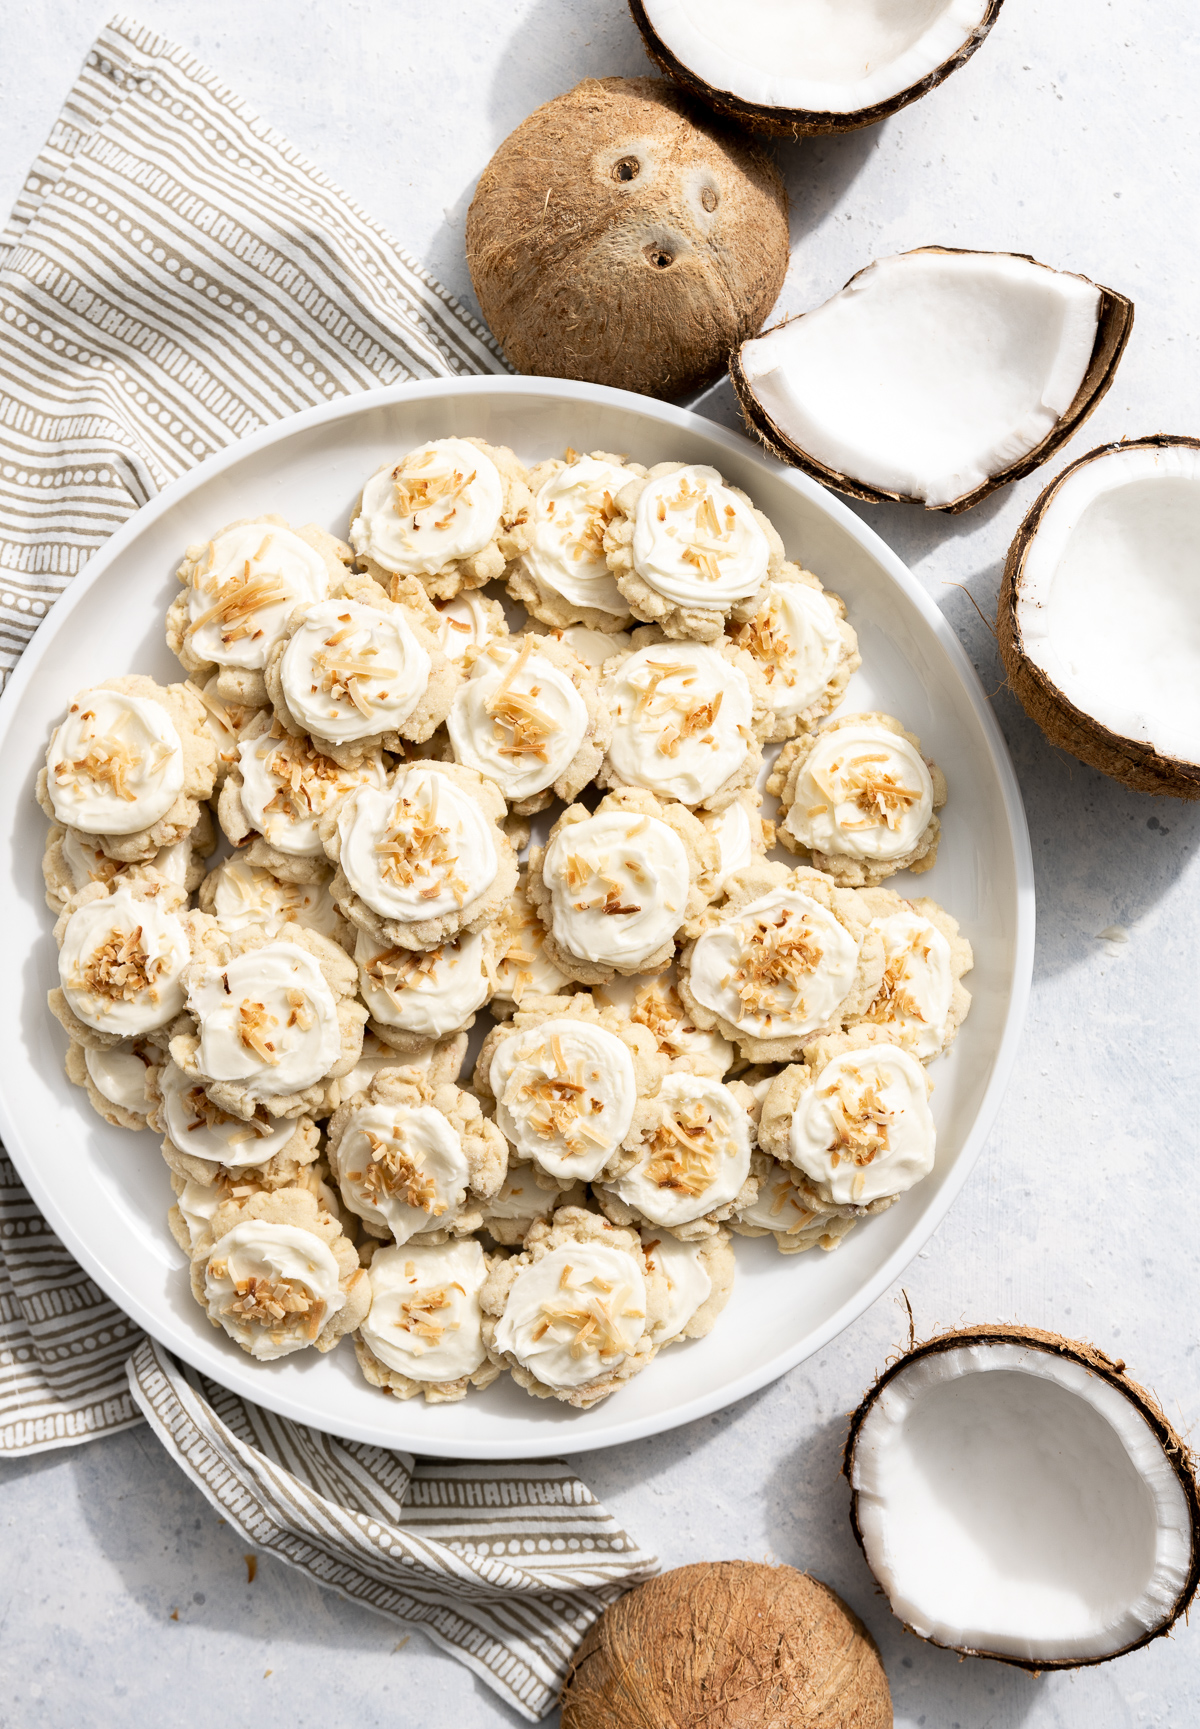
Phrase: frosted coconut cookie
x=699 y=1279
x=415 y=1160
x=358 y=678
x=854 y=1119
x=122 y=952
x=423 y=1332
x=564 y=1078
x=205 y=1144
x=529 y=718
x=114 y=1079
x=742 y=839
x=921 y=1002
x=413 y=996
x=563 y=578
x=72 y=860
x=688 y=719
x=467 y=624
x=613 y=885
x=423 y=860
x=523 y=968
x=593 y=647
x=573 y=1315
x=437 y=1061
x=280 y=1275
x=190 y=1220
x=687 y=551
x=452 y=513
x=227 y=723
x=243 y=896
x=787 y=956
x=861 y=798
x=788 y=1208
x=656 y=1005
x=276 y=794
x=271 y=1023
x=687 y=1161
x=240 y=588
x=807 y=652
x=130 y=766
x=526 y=1195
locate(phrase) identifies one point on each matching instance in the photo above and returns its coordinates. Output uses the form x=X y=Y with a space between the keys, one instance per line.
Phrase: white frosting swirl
x=255 y=1264
x=688 y=1281
x=571 y=511
x=119 y=1075
x=431 y=994
x=465 y=624
x=198 y=1203
x=864 y=1129
x=249 y=897
x=441 y=502
x=403 y=1167
x=681 y=720
x=794 y=637
x=425 y=1319
x=618 y=883
x=696 y=1159
x=87 y=864
x=779 y=969
x=351 y=670
x=918 y=982
x=518 y=719
x=524 y=965
x=574 y=1315
x=565 y=1093
x=287 y=786
x=196 y=1126
x=375 y=1055
x=697 y=543
x=120 y=963
x=655 y=1003
x=249 y=580
x=419 y=850
x=521 y=1196
x=864 y=792
x=223 y=721
x=735 y=838
x=779 y=1205
x=268 y=1018
x=593 y=647
x=115 y=764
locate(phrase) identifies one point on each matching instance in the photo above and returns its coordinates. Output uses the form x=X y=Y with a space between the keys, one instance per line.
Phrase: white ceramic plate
x=106 y=1191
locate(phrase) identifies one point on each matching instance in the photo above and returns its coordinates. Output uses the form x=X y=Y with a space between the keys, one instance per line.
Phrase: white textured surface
x=1071 y=136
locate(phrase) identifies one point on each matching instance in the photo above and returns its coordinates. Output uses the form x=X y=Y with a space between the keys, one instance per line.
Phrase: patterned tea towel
x=175 y=276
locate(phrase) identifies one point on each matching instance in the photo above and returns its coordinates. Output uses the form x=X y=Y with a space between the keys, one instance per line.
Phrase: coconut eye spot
x=628 y=168
x=659 y=256
x=709 y=198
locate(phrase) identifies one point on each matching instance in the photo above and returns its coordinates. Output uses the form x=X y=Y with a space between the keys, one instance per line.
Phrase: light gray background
x=1072 y=136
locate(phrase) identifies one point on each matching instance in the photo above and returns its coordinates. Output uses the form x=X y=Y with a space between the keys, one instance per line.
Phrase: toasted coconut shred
x=893 y=1001
x=521 y=728
x=238 y=599
x=280 y=1305
x=658 y=1008
x=396 y=1173
x=878 y=795
x=416 y=493
x=203 y=1114
x=121 y=969
x=560 y=1106
x=861 y=1119
x=414 y=845
x=593 y=1316
x=686 y=1150
x=340 y=670
x=300 y=770
x=683 y=716
x=415 y=1315
x=780 y=953
x=254 y=1021
x=714 y=531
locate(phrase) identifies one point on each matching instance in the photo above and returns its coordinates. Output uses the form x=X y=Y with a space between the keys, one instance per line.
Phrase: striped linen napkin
x=175 y=276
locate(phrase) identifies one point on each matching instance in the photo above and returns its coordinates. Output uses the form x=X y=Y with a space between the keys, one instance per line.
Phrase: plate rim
x=561 y=1439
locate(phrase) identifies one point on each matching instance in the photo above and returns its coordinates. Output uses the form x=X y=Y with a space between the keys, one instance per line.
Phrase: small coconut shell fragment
x=1136 y=763
x=1008 y=1474
x=622 y=236
x=731 y=1645
x=784 y=121
x=1113 y=323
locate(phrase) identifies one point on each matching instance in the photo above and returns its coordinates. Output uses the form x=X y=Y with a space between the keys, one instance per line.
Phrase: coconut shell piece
x=1133 y=762
x=802 y=122
x=1115 y=322
x=1098 y=1364
x=730 y=1645
x=622 y=236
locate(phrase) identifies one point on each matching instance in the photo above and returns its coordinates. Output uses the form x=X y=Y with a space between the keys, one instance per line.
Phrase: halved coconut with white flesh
x=1099 y=614
x=1017 y=1496
x=935 y=376
x=791 y=67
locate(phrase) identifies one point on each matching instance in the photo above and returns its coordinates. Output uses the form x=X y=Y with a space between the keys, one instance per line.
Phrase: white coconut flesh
x=1109 y=599
x=819 y=56
x=1010 y=1501
x=930 y=373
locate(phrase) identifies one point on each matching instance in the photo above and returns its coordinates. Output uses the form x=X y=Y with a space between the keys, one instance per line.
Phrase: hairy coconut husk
x=1132 y=761
x=1115 y=321
x=621 y=236
x=731 y=1645
x=803 y=122
x=1106 y=1368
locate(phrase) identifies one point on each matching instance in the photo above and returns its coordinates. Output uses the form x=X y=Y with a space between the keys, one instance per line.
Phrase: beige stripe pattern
x=173 y=277
x=504 y=1566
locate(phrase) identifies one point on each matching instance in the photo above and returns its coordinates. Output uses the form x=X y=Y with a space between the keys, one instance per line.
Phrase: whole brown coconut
x=623 y=236
x=730 y=1645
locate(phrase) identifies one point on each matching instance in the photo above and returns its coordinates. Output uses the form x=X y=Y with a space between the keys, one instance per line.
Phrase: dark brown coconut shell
x=622 y=236
x=802 y=122
x=1114 y=324
x=730 y=1645
x=1106 y=1368
x=1131 y=761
